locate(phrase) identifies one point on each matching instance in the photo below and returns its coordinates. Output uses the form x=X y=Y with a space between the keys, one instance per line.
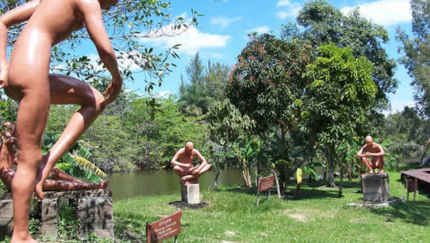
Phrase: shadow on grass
x=416 y=213
x=313 y=190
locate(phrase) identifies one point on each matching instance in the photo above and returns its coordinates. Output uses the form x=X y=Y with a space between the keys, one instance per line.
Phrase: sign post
x=264 y=184
x=164 y=229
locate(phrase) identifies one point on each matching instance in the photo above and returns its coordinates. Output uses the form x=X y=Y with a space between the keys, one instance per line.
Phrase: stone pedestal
x=191 y=193
x=49 y=214
x=95 y=215
x=6 y=217
x=375 y=187
x=94 y=209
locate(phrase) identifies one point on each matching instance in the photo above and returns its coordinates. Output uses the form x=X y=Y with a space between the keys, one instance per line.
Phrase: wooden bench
x=94 y=210
x=422 y=175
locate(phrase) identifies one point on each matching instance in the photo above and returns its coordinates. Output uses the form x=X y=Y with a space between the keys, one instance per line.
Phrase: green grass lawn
x=231 y=216
x=318 y=215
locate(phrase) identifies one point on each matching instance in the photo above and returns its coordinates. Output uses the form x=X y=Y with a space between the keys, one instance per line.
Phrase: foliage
x=407 y=131
x=341 y=90
x=75 y=162
x=416 y=53
x=320 y=23
x=231 y=130
x=205 y=85
x=324 y=24
x=266 y=83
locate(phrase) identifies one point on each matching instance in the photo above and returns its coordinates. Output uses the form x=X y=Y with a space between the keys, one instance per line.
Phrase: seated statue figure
x=372 y=156
x=185 y=169
x=59 y=180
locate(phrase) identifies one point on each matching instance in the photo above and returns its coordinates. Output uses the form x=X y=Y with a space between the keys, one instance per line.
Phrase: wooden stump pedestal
x=375 y=187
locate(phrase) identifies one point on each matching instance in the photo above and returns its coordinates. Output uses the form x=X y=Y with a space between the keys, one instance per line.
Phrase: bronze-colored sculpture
x=27 y=80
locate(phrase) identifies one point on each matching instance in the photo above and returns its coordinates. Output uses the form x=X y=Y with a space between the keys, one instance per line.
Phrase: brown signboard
x=266 y=183
x=164 y=229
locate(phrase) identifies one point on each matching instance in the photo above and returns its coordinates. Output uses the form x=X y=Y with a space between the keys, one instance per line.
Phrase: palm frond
x=84 y=163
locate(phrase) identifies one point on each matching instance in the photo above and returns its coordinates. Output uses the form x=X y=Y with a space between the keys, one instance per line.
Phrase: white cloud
x=216 y=55
x=162 y=94
x=283 y=3
x=191 y=40
x=384 y=12
x=223 y=22
x=292 y=9
x=282 y=14
x=259 y=30
x=398 y=106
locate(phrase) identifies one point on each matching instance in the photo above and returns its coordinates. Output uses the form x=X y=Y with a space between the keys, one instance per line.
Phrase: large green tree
x=203 y=86
x=321 y=24
x=416 y=53
x=267 y=84
x=341 y=90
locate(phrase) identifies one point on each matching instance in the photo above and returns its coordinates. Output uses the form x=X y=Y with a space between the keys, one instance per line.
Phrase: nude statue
x=374 y=150
x=61 y=181
x=27 y=80
x=185 y=169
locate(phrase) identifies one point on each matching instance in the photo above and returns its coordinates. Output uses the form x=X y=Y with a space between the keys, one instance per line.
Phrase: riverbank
x=318 y=215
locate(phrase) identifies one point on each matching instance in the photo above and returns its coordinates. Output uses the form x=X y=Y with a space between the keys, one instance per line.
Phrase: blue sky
x=222 y=33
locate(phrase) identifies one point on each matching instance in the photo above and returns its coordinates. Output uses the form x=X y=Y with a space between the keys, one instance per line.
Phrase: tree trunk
x=217 y=172
x=330 y=163
x=341 y=180
x=423 y=153
x=277 y=184
x=246 y=175
x=257 y=169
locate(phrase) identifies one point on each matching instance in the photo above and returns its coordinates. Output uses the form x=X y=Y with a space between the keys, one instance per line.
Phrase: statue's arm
x=360 y=152
x=175 y=161
x=14 y=16
x=93 y=20
x=381 y=152
x=202 y=160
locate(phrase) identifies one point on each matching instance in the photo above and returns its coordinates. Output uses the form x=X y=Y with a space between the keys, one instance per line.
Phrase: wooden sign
x=164 y=229
x=266 y=183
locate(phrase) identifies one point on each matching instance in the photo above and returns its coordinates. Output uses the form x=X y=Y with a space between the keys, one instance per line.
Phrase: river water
x=141 y=183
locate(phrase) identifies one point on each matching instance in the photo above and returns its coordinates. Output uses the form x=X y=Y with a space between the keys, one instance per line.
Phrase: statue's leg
x=58 y=174
x=179 y=170
x=58 y=185
x=204 y=169
x=33 y=91
x=381 y=165
x=367 y=163
x=68 y=90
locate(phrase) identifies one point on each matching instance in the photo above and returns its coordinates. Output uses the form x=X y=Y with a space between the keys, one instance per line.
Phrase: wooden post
x=411 y=186
x=258 y=194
